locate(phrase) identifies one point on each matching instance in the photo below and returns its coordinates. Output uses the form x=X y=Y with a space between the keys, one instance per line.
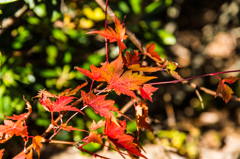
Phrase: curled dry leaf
x=224 y=89
x=142 y=116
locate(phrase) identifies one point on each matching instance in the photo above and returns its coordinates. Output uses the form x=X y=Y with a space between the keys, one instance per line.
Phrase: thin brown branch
x=199 y=97
x=60 y=142
x=9 y=21
x=126 y=107
x=211 y=92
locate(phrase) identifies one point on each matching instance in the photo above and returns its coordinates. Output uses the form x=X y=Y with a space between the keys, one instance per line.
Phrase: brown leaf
x=142 y=116
x=224 y=89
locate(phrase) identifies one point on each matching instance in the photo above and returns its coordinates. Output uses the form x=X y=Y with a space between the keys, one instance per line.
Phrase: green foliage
x=6 y=1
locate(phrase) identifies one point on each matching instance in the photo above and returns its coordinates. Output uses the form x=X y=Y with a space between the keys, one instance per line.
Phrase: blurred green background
x=42 y=41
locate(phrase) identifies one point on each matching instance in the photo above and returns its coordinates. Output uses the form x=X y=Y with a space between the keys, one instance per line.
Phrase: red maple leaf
x=153 y=54
x=98 y=104
x=123 y=82
x=59 y=105
x=12 y=128
x=114 y=36
x=147 y=91
x=131 y=58
x=224 y=89
x=117 y=137
x=94 y=74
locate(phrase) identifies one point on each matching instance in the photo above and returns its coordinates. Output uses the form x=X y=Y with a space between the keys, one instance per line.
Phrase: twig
x=211 y=92
x=9 y=21
x=199 y=97
x=126 y=107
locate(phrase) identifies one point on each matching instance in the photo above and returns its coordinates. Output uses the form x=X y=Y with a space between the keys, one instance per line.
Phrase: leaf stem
x=106 y=44
x=187 y=79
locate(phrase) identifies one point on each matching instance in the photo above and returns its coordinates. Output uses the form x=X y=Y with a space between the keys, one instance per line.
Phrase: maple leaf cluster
x=124 y=75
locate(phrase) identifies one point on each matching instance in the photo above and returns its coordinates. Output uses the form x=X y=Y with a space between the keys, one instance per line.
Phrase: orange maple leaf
x=153 y=54
x=123 y=82
x=98 y=104
x=94 y=137
x=30 y=155
x=137 y=67
x=114 y=36
x=37 y=143
x=1 y=153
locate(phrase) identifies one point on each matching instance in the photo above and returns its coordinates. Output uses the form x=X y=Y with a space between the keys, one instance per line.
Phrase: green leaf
x=33 y=20
x=167 y=38
x=92 y=147
x=7 y=1
x=40 y=10
x=49 y=73
x=6 y=108
x=31 y=3
x=67 y=57
x=136 y=6
x=151 y=7
x=124 y=7
x=59 y=35
x=92 y=115
x=171 y=67
x=55 y=16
